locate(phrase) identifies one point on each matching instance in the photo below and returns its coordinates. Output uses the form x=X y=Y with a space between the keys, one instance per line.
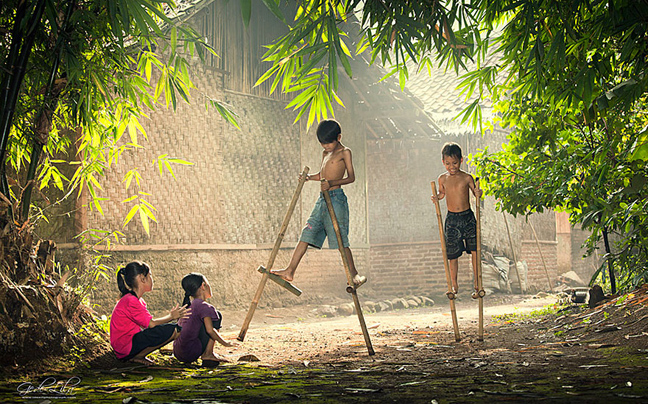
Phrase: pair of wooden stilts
x=290 y=287
x=451 y=293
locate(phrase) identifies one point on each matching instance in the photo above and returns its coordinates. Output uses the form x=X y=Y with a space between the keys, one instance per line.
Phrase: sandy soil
x=564 y=355
x=307 y=335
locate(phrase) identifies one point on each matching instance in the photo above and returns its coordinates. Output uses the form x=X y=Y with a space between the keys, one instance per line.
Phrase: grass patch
x=550 y=309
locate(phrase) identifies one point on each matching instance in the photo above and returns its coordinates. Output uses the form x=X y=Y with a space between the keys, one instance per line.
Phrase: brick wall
x=414 y=269
x=536 y=275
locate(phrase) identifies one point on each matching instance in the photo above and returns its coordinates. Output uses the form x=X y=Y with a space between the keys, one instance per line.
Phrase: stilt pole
x=450 y=292
x=480 y=292
x=517 y=271
x=345 y=262
x=273 y=254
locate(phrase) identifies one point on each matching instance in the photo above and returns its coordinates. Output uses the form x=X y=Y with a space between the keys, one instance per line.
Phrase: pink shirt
x=129 y=317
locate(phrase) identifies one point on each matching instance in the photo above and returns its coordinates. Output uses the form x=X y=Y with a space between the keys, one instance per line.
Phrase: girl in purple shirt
x=200 y=329
x=134 y=333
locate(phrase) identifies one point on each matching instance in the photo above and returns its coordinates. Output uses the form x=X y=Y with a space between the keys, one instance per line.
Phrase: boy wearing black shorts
x=460 y=225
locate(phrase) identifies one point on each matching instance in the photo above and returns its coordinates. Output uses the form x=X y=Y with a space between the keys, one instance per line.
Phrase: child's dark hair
x=126 y=276
x=191 y=283
x=328 y=131
x=451 y=149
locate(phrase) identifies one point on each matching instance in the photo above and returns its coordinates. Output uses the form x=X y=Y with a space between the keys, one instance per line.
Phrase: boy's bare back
x=455 y=188
x=334 y=165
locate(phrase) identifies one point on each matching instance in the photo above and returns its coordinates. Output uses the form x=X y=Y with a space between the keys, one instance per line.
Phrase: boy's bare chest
x=331 y=161
x=455 y=185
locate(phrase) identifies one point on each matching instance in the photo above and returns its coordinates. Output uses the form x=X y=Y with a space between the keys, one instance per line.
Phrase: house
x=221 y=216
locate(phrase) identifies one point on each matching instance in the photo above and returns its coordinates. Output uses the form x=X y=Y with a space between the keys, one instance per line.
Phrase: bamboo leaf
x=273 y=6
x=132 y=198
x=144 y=220
x=246 y=11
x=174 y=39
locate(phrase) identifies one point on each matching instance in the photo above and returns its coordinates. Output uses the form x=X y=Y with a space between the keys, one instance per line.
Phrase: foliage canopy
x=570 y=81
x=77 y=77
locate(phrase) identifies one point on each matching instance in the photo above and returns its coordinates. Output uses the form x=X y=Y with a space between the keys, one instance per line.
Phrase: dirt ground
x=530 y=352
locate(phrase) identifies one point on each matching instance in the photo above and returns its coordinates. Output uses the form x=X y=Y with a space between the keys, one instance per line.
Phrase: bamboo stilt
x=480 y=335
x=280 y=281
x=345 y=262
x=450 y=293
x=273 y=254
x=517 y=272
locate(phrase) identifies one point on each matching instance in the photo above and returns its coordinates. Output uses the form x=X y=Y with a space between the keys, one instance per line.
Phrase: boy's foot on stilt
x=283 y=274
x=359 y=281
x=451 y=295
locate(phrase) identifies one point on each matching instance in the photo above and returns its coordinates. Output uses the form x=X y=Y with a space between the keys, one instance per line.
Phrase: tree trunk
x=43 y=121
x=15 y=69
x=609 y=259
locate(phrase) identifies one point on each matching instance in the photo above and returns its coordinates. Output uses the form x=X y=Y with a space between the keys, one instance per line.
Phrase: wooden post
x=517 y=272
x=480 y=292
x=450 y=293
x=345 y=262
x=273 y=254
x=544 y=264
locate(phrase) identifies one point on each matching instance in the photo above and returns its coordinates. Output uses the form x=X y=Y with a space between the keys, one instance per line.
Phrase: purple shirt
x=187 y=347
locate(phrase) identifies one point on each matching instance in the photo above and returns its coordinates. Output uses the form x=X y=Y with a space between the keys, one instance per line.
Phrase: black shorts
x=203 y=337
x=151 y=337
x=460 y=233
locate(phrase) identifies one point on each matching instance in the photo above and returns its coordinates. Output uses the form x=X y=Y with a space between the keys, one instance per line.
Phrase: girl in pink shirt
x=200 y=329
x=134 y=333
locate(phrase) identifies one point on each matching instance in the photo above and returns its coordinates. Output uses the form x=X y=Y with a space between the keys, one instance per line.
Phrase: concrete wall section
x=232 y=275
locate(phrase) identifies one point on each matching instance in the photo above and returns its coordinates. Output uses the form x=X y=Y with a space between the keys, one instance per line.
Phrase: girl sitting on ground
x=134 y=333
x=200 y=330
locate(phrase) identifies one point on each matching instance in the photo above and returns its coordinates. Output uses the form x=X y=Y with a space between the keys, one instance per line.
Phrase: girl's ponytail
x=191 y=283
x=121 y=282
x=186 y=301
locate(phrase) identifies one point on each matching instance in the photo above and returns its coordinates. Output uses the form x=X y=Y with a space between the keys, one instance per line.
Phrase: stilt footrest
x=280 y=281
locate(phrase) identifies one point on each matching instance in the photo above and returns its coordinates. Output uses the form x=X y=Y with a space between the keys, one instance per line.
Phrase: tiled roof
x=387 y=111
x=441 y=98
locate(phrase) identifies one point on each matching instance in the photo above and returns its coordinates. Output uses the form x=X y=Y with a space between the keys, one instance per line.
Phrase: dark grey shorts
x=460 y=233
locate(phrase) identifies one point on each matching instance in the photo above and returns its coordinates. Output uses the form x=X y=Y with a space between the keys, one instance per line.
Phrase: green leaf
x=246 y=11
x=273 y=6
x=144 y=220
x=130 y=214
x=130 y=199
x=174 y=39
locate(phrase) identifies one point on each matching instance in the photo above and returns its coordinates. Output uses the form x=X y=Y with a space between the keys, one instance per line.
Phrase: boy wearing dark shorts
x=460 y=225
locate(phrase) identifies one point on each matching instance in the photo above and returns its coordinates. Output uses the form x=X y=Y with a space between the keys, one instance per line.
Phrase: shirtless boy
x=336 y=162
x=460 y=225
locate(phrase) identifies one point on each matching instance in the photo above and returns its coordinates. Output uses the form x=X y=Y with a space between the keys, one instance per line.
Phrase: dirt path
x=573 y=355
x=283 y=336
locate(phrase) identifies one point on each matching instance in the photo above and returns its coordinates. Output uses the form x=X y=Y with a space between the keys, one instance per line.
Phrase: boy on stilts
x=460 y=225
x=336 y=162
